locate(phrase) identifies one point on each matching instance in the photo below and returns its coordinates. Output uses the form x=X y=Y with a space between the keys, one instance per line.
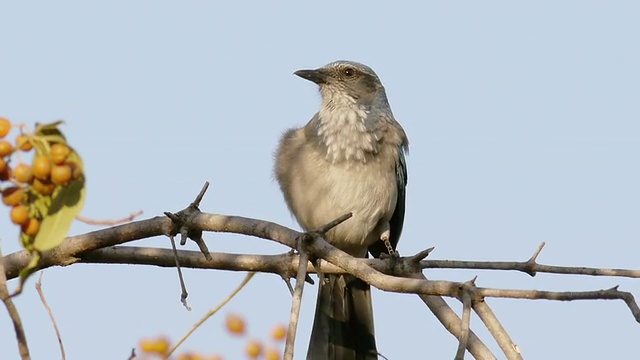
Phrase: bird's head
x=346 y=80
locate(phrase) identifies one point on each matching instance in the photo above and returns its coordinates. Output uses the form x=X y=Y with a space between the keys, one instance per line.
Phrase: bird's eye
x=349 y=72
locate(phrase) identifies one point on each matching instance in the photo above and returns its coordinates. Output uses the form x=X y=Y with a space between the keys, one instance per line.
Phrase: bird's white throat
x=342 y=130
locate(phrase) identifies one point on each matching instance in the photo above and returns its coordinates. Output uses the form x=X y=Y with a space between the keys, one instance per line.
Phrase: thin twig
x=530 y=267
x=23 y=348
x=53 y=320
x=289 y=286
x=535 y=255
x=209 y=314
x=526 y=267
x=466 y=320
x=198 y=199
x=184 y=294
x=323 y=230
x=109 y=222
x=296 y=301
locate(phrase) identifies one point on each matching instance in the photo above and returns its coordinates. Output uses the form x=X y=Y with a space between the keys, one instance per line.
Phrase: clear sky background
x=523 y=118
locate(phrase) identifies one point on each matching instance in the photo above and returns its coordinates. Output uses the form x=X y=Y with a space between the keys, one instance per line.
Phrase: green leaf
x=65 y=206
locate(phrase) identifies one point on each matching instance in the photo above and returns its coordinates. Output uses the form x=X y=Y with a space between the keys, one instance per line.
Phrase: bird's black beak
x=317 y=76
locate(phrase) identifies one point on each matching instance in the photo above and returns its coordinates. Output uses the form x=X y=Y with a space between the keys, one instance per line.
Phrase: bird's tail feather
x=343 y=324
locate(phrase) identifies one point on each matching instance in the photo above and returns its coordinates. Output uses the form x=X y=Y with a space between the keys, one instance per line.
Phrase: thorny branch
x=400 y=275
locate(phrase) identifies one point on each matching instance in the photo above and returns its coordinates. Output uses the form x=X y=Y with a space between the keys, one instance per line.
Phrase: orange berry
x=41 y=167
x=3 y=165
x=61 y=174
x=155 y=346
x=59 y=153
x=272 y=354
x=5 y=127
x=32 y=227
x=20 y=215
x=235 y=324
x=278 y=333
x=23 y=143
x=5 y=148
x=254 y=349
x=44 y=187
x=23 y=173
x=12 y=196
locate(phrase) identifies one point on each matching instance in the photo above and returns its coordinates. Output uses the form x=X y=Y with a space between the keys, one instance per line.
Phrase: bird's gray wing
x=397 y=219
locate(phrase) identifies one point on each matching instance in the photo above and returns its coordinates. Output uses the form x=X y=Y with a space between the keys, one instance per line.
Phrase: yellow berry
x=44 y=187
x=272 y=354
x=23 y=173
x=23 y=143
x=155 y=346
x=254 y=349
x=278 y=333
x=5 y=127
x=5 y=148
x=41 y=167
x=12 y=196
x=20 y=215
x=32 y=227
x=59 y=153
x=61 y=174
x=235 y=324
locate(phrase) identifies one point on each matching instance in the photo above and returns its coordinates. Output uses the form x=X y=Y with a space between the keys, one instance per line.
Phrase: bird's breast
x=323 y=190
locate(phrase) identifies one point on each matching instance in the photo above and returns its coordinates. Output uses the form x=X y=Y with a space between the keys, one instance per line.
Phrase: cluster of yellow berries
x=23 y=183
x=236 y=326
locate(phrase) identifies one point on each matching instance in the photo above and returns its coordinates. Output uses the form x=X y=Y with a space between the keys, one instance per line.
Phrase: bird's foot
x=391 y=252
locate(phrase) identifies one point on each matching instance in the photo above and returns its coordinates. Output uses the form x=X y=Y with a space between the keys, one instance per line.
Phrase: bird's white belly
x=367 y=190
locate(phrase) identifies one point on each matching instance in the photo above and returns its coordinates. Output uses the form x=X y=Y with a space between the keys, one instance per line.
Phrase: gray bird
x=348 y=158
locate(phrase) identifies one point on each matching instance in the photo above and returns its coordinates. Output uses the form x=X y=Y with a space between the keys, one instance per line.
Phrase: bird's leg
x=384 y=237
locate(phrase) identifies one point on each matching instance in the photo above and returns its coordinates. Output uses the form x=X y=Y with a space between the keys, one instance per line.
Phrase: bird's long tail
x=343 y=324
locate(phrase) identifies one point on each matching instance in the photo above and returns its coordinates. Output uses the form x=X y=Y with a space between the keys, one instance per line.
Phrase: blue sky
x=524 y=126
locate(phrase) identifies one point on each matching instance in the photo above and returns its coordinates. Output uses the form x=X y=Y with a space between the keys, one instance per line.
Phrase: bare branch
x=499 y=333
x=72 y=248
x=97 y=246
x=183 y=287
x=23 y=348
x=608 y=294
x=526 y=268
x=450 y=320
x=109 y=222
x=296 y=301
x=466 y=319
